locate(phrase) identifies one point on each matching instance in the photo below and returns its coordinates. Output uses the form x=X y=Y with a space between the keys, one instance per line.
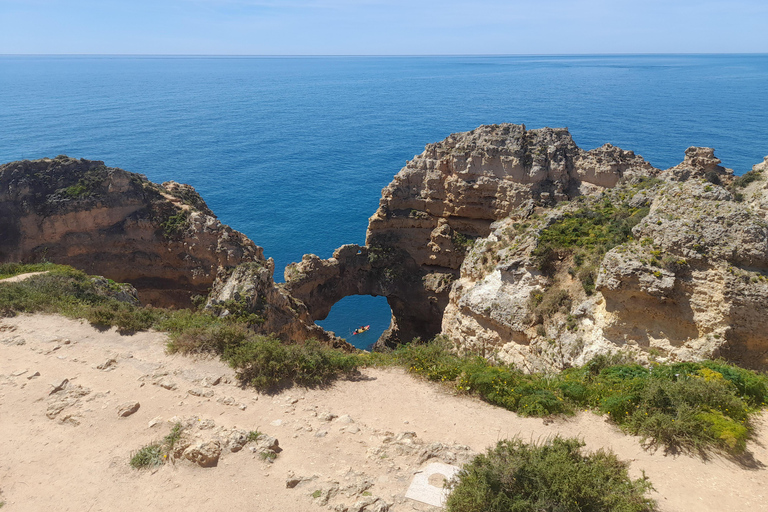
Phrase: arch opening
x=355 y=311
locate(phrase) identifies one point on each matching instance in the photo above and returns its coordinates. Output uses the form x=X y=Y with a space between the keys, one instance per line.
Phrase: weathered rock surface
x=127 y=408
x=453 y=247
x=64 y=402
x=438 y=203
x=202 y=442
x=249 y=290
x=690 y=283
x=163 y=239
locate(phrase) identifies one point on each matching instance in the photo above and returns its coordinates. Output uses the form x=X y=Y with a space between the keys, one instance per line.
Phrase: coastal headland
x=510 y=244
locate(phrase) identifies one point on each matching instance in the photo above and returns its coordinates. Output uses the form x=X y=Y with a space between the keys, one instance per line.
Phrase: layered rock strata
x=163 y=239
x=690 y=282
x=666 y=264
x=439 y=203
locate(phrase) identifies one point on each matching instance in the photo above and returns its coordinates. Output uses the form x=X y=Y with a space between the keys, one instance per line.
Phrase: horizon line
x=278 y=55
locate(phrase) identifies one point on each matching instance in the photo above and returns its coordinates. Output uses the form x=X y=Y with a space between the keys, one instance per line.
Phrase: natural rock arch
x=360 y=270
x=438 y=204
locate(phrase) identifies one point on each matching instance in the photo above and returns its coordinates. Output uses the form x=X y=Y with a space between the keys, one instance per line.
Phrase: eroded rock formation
x=163 y=239
x=250 y=289
x=439 y=203
x=459 y=247
x=513 y=243
x=690 y=282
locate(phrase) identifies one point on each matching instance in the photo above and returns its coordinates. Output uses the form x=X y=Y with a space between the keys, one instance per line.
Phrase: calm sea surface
x=294 y=151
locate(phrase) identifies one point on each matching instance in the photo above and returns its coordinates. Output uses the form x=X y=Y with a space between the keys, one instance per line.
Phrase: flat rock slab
x=427 y=486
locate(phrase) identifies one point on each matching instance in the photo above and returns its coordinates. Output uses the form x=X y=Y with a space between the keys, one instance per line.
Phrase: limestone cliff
x=250 y=289
x=519 y=245
x=689 y=281
x=163 y=239
x=439 y=203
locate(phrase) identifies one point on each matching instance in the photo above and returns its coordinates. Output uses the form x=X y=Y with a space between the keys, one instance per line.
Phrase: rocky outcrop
x=163 y=239
x=439 y=203
x=690 y=281
x=699 y=163
x=250 y=290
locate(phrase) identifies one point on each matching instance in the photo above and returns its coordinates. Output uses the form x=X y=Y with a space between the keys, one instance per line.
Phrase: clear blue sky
x=308 y=27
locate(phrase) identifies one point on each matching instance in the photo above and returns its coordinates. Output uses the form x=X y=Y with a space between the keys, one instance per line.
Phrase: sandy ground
x=69 y=450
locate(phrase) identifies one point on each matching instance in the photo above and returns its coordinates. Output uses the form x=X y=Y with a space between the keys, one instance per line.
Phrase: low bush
x=157 y=454
x=266 y=363
x=147 y=457
x=552 y=476
x=747 y=178
x=683 y=406
x=587 y=234
x=433 y=360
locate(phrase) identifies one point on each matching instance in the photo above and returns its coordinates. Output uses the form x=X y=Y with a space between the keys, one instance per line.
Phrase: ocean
x=294 y=151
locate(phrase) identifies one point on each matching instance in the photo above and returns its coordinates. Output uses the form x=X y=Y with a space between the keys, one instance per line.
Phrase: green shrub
x=266 y=363
x=552 y=476
x=747 y=178
x=462 y=241
x=214 y=338
x=587 y=233
x=127 y=318
x=539 y=402
x=157 y=454
x=169 y=441
x=551 y=301
x=175 y=224
x=690 y=412
x=433 y=360
x=148 y=456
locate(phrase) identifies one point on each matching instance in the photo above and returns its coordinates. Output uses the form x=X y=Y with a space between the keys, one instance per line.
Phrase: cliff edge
x=162 y=239
x=519 y=245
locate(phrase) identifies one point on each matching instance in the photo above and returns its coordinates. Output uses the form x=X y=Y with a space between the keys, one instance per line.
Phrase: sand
x=77 y=459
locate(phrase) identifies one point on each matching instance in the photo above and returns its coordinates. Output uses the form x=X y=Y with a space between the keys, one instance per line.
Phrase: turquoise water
x=294 y=151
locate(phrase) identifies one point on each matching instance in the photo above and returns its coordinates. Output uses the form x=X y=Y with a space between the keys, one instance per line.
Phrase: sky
x=381 y=27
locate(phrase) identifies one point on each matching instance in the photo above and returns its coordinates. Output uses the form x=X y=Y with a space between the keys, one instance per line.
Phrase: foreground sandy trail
x=80 y=463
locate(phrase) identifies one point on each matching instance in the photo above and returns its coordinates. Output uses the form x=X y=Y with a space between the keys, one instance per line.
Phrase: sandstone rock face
x=690 y=282
x=250 y=289
x=699 y=163
x=163 y=239
x=442 y=200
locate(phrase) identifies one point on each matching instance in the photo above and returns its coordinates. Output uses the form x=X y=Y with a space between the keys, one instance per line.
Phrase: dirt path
x=21 y=277
x=69 y=450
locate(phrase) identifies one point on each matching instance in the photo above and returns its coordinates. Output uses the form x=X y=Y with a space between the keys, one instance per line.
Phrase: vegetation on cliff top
x=261 y=361
x=680 y=406
x=688 y=406
x=587 y=234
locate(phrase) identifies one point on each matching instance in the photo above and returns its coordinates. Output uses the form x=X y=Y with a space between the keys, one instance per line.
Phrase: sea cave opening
x=357 y=311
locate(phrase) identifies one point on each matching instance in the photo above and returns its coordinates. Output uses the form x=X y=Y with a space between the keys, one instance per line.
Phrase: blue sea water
x=294 y=151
